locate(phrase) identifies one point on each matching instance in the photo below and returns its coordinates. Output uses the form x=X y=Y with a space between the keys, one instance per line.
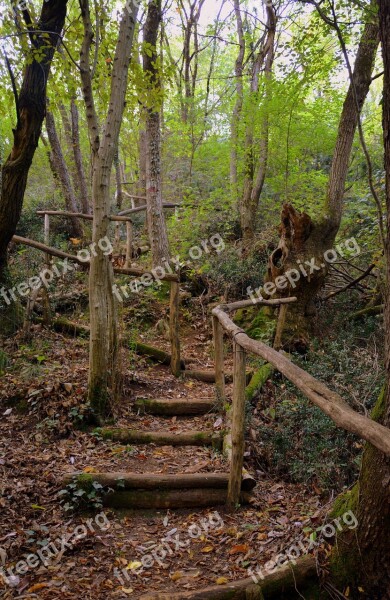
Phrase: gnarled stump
x=298 y=267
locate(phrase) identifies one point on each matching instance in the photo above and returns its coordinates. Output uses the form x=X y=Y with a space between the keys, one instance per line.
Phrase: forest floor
x=41 y=393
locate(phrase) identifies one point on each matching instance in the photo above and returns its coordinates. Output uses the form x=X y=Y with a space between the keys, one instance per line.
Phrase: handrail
x=130 y=211
x=65 y=213
x=328 y=401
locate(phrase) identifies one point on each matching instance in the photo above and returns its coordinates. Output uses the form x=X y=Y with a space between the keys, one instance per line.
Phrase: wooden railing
x=328 y=401
x=172 y=278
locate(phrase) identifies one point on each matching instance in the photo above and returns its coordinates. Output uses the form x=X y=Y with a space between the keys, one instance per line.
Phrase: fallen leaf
x=127 y=590
x=207 y=549
x=36 y=587
x=239 y=549
x=135 y=564
x=221 y=581
x=177 y=575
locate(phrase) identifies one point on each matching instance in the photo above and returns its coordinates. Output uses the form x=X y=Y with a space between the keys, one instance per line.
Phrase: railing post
x=46 y=237
x=238 y=420
x=129 y=243
x=174 y=304
x=218 y=358
x=47 y=260
x=280 y=326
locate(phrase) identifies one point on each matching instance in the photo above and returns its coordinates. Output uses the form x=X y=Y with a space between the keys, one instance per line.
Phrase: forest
x=194 y=315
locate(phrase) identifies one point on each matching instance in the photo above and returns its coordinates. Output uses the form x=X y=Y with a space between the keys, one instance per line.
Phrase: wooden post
x=129 y=243
x=280 y=326
x=218 y=358
x=45 y=293
x=238 y=419
x=174 y=305
x=46 y=237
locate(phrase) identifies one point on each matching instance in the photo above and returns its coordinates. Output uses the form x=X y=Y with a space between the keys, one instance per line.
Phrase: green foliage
x=301 y=443
x=82 y=494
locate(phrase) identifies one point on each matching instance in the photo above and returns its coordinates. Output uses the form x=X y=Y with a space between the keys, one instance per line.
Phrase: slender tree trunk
x=239 y=100
x=254 y=174
x=62 y=173
x=104 y=144
x=31 y=107
x=357 y=93
x=362 y=559
x=155 y=215
x=84 y=194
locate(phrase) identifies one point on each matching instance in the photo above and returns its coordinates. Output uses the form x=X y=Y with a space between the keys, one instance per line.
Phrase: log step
x=181 y=490
x=209 y=376
x=162 y=438
x=171 y=408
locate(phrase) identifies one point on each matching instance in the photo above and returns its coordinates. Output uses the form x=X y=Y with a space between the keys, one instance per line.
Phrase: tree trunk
x=31 y=107
x=155 y=215
x=239 y=100
x=254 y=175
x=304 y=240
x=361 y=558
x=104 y=144
x=61 y=171
x=84 y=194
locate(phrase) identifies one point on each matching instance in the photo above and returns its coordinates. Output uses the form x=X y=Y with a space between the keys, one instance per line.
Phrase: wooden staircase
x=164 y=490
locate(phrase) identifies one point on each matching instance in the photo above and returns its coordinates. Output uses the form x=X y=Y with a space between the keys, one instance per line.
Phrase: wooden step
x=174 y=407
x=209 y=376
x=162 y=438
x=155 y=490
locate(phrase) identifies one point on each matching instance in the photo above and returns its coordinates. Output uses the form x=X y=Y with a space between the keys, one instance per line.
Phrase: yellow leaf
x=221 y=581
x=346 y=593
x=360 y=589
x=207 y=549
x=89 y=470
x=135 y=564
x=36 y=587
x=127 y=590
x=177 y=575
x=37 y=507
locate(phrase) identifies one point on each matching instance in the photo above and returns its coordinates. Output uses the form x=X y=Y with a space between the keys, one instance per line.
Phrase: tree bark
x=62 y=174
x=84 y=193
x=103 y=310
x=362 y=558
x=31 y=112
x=355 y=98
x=155 y=215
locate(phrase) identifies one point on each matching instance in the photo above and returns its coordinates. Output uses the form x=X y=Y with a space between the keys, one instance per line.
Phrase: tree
x=157 y=230
x=61 y=173
x=362 y=560
x=255 y=171
x=104 y=146
x=30 y=104
x=302 y=238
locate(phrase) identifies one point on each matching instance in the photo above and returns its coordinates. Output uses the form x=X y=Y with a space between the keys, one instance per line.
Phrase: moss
x=99 y=399
x=257 y=323
x=258 y=380
x=345 y=502
x=379 y=409
x=85 y=481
